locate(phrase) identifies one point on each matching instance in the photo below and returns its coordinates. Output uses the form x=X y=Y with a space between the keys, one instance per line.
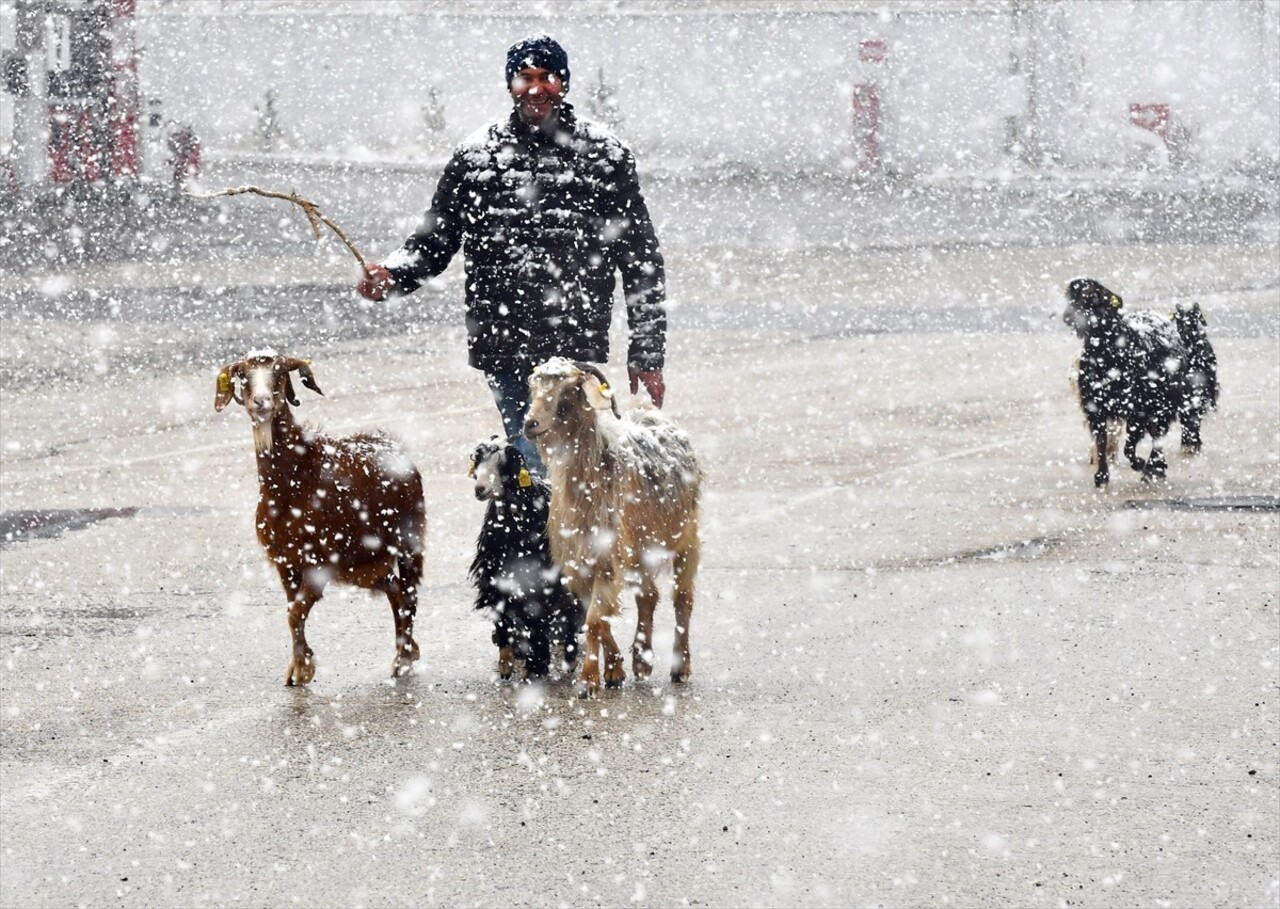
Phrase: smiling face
x=538 y=94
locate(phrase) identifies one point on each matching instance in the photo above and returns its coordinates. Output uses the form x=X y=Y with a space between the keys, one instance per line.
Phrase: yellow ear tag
x=605 y=391
x=1115 y=302
x=525 y=479
x=471 y=471
x=224 y=382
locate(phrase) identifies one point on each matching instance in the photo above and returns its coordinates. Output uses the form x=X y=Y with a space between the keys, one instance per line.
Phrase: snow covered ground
x=932 y=664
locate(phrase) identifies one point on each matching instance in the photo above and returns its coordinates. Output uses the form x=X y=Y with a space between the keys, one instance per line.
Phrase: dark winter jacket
x=544 y=221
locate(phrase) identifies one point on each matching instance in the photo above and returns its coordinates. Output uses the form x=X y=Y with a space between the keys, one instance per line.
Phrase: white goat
x=624 y=501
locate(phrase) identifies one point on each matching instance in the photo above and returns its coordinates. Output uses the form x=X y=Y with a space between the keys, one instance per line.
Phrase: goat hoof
x=301 y=671
x=1100 y=480
x=406 y=656
x=641 y=664
x=681 y=672
x=589 y=683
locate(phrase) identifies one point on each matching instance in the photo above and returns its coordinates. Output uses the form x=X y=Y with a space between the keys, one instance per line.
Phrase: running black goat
x=1142 y=368
x=515 y=579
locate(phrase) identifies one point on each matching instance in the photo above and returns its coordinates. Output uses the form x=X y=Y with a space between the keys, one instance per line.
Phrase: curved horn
x=304 y=372
x=604 y=392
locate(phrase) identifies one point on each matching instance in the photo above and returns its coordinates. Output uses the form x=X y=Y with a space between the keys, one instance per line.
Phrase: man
x=546 y=208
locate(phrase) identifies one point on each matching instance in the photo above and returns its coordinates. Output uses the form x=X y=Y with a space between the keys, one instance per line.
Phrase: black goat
x=1140 y=368
x=515 y=579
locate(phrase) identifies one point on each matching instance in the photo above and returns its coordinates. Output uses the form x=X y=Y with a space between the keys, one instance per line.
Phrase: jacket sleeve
x=427 y=252
x=643 y=273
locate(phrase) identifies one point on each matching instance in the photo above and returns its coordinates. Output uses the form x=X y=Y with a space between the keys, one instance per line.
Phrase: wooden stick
x=314 y=215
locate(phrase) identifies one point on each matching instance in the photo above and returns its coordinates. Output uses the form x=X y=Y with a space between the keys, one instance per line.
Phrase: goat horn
x=593 y=370
x=304 y=372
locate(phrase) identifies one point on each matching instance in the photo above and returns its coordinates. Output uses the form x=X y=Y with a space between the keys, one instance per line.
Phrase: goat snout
x=532 y=428
x=260 y=405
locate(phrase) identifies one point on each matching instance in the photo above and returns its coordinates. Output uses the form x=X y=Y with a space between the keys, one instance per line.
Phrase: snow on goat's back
x=624 y=501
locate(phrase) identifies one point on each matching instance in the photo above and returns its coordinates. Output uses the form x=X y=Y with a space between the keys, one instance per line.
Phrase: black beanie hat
x=541 y=51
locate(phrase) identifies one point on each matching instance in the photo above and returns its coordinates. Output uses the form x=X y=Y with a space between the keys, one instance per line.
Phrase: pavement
x=932 y=664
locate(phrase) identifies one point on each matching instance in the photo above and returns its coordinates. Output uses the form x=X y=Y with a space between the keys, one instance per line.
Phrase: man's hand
x=377 y=283
x=652 y=379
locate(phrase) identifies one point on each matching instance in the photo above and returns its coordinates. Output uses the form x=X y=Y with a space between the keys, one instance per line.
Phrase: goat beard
x=262 y=437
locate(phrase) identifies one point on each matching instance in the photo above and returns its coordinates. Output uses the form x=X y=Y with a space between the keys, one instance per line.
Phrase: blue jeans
x=511 y=394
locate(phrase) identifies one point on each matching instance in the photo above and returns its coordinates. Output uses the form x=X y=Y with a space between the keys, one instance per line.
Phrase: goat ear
x=288 y=391
x=226 y=389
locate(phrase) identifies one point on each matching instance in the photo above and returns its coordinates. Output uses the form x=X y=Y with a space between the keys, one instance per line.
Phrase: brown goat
x=624 y=501
x=349 y=510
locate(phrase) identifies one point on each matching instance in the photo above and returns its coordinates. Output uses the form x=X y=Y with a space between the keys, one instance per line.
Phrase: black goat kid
x=1141 y=368
x=515 y=579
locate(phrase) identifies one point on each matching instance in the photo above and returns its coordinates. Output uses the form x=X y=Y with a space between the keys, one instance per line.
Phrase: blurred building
x=72 y=119
x=910 y=88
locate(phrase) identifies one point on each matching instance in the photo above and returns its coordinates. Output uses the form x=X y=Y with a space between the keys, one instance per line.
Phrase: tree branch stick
x=314 y=215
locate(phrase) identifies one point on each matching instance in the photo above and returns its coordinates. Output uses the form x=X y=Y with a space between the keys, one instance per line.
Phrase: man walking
x=546 y=208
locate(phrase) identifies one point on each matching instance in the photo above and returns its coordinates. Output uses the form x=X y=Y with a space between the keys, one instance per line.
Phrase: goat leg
x=538 y=661
x=605 y=591
x=1132 y=438
x=642 y=647
x=590 y=674
x=302 y=668
x=1190 y=420
x=686 y=566
x=1098 y=426
x=402 y=592
x=614 y=672
x=1156 y=466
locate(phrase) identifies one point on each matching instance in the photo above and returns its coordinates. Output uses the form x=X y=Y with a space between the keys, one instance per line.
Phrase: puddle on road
x=46 y=524
x=1207 y=503
x=22 y=526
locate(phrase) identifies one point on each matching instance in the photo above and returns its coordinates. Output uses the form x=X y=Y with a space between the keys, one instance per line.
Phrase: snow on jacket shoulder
x=544 y=222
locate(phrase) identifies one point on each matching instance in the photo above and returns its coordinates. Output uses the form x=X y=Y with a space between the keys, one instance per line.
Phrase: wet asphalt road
x=932 y=664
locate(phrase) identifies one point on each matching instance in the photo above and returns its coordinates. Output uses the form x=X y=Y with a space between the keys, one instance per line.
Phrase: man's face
x=538 y=94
